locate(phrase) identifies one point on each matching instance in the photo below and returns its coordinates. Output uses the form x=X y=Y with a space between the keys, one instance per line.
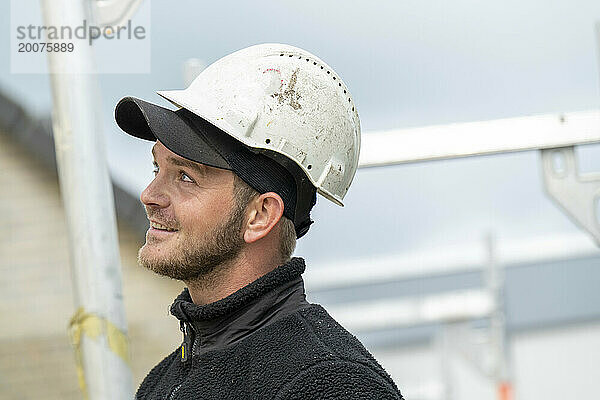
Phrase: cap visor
x=152 y=122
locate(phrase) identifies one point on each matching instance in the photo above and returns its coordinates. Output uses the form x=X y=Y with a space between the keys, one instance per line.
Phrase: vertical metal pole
x=498 y=347
x=444 y=349
x=99 y=327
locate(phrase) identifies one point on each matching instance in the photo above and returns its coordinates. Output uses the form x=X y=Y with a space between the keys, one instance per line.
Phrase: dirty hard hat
x=280 y=105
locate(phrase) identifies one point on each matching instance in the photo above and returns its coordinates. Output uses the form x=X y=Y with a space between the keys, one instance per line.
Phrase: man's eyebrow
x=199 y=168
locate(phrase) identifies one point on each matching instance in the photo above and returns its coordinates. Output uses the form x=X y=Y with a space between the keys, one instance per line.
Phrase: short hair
x=243 y=194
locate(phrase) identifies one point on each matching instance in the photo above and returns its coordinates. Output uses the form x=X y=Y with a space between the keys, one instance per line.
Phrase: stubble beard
x=196 y=258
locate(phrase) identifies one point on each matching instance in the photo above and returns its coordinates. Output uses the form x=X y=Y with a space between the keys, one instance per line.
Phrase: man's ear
x=263 y=213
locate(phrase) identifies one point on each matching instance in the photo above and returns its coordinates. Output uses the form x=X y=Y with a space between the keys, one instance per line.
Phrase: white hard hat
x=284 y=100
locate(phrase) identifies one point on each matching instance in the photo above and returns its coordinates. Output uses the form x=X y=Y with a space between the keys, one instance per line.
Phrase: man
x=237 y=169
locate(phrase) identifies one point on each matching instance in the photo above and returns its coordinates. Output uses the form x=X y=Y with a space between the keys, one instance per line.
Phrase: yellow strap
x=94 y=326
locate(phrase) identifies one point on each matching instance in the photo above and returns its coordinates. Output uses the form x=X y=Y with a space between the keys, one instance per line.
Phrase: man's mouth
x=161 y=227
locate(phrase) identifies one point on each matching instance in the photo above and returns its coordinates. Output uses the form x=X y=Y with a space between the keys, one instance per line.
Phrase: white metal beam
x=380 y=148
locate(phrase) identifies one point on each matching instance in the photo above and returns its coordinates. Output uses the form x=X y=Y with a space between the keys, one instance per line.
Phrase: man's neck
x=227 y=279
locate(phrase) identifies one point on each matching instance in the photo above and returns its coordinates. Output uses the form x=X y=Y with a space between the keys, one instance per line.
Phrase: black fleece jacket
x=265 y=341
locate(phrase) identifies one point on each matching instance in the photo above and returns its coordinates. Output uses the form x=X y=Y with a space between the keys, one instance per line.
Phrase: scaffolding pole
x=499 y=352
x=98 y=329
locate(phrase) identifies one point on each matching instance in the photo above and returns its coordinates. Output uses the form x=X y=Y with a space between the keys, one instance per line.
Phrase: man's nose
x=155 y=195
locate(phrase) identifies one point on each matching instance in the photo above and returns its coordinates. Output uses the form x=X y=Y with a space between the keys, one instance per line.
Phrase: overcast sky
x=408 y=63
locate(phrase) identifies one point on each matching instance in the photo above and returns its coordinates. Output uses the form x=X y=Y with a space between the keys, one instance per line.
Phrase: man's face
x=195 y=223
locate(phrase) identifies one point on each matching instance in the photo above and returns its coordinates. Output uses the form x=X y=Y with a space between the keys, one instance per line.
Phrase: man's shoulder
x=323 y=328
x=334 y=362
x=337 y=340
x=310 y=333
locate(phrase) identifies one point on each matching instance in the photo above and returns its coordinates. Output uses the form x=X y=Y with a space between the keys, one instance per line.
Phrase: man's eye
x=185 y=177
x=155 y=170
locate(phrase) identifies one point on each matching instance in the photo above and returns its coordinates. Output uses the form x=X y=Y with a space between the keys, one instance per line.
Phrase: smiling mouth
x=160 y=227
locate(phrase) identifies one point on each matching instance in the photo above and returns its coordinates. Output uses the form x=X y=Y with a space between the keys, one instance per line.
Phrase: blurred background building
x=414 y=247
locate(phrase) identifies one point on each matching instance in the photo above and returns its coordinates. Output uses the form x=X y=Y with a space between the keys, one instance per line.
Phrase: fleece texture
x=302 y=353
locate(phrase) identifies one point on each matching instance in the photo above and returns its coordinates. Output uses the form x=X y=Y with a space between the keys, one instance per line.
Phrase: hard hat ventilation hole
x=328 y=73
x=267 y=141
x=309 y=166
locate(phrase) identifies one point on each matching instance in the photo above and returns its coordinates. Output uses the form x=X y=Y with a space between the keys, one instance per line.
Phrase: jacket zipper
x=189 y=341
x=194 y=341
x=175 y=389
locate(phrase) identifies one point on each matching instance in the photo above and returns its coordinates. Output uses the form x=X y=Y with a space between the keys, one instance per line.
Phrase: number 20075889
x=47 y=47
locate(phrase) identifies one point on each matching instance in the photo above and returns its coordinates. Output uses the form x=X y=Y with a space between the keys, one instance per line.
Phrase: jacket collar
x=234 y=317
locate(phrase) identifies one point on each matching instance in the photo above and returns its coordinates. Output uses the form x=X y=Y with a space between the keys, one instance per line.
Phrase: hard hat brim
x=152 y=122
